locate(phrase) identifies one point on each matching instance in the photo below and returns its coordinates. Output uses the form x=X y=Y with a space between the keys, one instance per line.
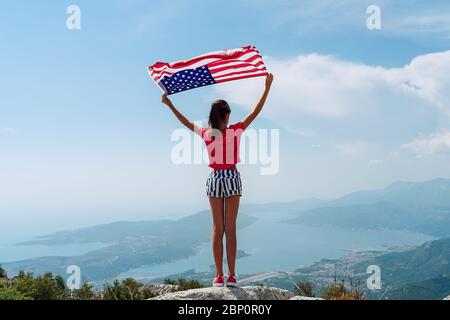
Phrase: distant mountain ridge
x=434 y=192
x=417 y=206
x=190 y=228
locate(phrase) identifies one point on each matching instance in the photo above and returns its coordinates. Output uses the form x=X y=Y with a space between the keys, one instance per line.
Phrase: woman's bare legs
x=231 y=212
x=217 y=210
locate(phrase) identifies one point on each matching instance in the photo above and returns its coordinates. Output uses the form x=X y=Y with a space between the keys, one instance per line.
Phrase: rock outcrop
x=304 y=298
x=228 y=293
x=161 y=289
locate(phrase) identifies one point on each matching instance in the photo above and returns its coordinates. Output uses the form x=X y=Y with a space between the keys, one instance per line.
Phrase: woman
x=224 y=187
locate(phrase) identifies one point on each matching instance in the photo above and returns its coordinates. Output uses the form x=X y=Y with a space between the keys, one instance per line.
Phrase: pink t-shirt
x=223 y=147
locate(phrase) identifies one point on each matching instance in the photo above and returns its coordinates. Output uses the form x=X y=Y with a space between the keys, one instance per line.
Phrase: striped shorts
x=224 y=183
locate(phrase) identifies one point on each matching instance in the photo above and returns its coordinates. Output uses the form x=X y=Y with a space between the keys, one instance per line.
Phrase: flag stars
x=188 y=79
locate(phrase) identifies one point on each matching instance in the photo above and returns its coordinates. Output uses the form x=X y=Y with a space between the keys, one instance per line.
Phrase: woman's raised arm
x=189 y=124
x=252 y=115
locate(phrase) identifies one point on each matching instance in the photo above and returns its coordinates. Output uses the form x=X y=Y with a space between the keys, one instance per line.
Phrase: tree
x=86 y=292
x=339 y=291
x=12 y=294
x=4 y=281
x=128 y=289
x=305 y=289
x=45 y=287
x=3 y=274
x=184 y=284
x=113 y=291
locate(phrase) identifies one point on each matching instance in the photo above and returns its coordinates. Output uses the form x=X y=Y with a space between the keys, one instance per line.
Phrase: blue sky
x=84 y=138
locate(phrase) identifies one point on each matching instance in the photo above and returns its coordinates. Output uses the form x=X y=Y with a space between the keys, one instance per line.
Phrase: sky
x=84 y=138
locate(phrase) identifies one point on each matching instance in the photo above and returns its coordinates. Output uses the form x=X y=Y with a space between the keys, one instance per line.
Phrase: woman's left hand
x=165 y=99
x=269 y=80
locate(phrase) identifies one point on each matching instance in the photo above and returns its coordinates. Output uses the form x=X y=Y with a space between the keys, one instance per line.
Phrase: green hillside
x=431 y=289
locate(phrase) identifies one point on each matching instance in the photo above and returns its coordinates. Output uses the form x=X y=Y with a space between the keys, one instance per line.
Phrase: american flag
x=208 y=69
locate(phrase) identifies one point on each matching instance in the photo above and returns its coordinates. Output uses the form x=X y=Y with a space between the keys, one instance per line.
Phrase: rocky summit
x=229 y=293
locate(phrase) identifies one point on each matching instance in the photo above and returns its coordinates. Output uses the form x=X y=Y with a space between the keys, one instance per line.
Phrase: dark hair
x=218 y=113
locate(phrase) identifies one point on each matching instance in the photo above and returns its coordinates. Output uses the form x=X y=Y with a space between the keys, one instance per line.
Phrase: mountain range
x=422 y=207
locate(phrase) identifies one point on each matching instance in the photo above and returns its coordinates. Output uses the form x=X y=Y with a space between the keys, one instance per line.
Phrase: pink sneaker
x=231 y=281
x=218 y=282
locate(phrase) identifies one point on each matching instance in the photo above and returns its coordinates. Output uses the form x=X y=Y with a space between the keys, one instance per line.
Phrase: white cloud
x=430 y=24
x=436 y=143
x=343 y=101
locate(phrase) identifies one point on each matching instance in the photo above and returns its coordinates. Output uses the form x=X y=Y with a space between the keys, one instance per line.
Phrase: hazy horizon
x=21 y=231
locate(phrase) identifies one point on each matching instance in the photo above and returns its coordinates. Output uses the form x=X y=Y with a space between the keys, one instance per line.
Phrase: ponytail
x=218 y=113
